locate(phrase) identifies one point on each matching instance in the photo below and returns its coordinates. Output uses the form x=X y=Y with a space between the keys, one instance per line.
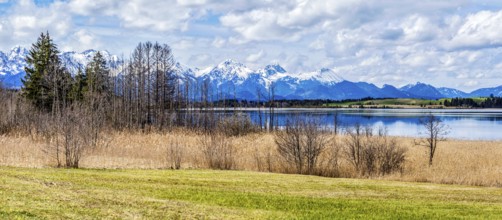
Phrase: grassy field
x=136 y=194
x=389 y=102
x=398 y=103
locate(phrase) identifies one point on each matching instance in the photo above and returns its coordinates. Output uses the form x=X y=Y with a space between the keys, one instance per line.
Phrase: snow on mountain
x=231 y=79
x=486 y=92
x=12 y=65
x=452 y=93
x=75 y=61
x=422 y=90
x=324 y=75
x=229 y=70
x=3 y=63
x=271 y=70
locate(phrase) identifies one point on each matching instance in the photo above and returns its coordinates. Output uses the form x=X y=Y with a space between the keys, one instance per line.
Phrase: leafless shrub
x=391 y=157
x=237 y=125
x=175 y=153
x=6 y=113
x=373 y=154
x=218 y=151
x=301 y=142
x=264 y=160
x=71 y=133
x=331 y=159
x=355 y=145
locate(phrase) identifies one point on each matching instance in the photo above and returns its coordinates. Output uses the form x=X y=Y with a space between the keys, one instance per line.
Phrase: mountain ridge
x=233 y=79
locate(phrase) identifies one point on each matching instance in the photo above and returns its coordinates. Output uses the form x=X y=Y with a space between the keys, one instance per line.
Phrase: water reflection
x=465 y=124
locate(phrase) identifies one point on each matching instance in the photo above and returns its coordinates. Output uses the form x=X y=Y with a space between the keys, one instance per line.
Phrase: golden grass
x=456 y=162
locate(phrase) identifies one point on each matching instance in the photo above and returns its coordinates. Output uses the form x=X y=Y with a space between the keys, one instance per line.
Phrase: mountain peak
x=89 y=51
x=273 y=69
x=18 y=52
x=422 y=90
x=328 y=75
x=230 y=62
x=229 y=69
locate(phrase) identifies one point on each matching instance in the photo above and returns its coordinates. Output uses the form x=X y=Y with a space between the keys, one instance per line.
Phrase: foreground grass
x=60 y=193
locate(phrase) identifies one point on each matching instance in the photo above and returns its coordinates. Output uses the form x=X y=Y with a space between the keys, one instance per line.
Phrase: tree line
x=72 y=113
x=490 y=102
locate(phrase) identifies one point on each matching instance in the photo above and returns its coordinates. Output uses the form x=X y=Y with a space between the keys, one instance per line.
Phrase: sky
x=455 y=43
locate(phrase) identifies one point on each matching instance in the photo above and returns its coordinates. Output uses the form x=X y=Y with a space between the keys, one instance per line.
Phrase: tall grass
x=457 y=161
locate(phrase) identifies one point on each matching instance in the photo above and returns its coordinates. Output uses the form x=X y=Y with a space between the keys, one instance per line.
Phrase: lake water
x=470 y=124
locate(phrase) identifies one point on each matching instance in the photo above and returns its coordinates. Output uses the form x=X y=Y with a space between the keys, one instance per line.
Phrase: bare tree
x=336 y=122
x=435 y=131
x=301 y=142
x=355 y=146
x=271 y=105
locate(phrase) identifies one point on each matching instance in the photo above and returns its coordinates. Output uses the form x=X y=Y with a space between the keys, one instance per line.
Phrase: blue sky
x=445 y=43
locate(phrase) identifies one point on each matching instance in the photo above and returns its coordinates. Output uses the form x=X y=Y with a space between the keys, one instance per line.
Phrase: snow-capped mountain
x=485 y=92
x=12 y=67
x=422 y=90
x=231 y=79
x=12 y=64
x=452 y=93
x=75 y=61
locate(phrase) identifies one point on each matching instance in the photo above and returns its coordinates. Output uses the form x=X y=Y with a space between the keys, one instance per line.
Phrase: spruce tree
x=97 y=73
x=47 y=82
x=79 y=87
x=37 y=62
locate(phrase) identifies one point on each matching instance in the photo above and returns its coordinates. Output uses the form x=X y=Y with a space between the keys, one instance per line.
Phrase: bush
x=373 y=154
x=218 y=151
x=301 y=142
x=175 y=152
x=237 y=125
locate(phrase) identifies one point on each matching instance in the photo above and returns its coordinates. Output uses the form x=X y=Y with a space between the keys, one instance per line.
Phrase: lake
x=470 y=124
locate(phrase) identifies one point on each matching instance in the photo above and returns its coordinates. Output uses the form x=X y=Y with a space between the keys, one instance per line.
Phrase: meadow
x=401 y=103
x=49 y=193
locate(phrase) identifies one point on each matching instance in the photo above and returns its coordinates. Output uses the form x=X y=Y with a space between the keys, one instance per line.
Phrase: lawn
x=84 y=193
x=388 y=102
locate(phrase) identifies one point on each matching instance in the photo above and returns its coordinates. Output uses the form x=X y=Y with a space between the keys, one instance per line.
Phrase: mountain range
x=231 y=79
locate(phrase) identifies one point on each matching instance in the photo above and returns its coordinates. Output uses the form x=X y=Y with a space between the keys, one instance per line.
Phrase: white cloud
x=252 y=58
x=393 y=42
x=219 y=42
x=25 y=21
x=479 y=30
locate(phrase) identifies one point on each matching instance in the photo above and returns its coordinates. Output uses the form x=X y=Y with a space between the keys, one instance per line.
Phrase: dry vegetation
x=456 y=161
x=147 y=119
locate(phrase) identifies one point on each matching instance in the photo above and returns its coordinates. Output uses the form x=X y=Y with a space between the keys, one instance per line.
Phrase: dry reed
x=457 y=161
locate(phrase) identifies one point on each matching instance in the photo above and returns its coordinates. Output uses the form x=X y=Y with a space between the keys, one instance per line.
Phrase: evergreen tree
x=37 y=61
x=98 y=73
x=47 y=81
x=79 y=87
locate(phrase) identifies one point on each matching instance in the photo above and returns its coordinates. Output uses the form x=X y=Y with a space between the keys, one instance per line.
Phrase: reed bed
x=465 y=162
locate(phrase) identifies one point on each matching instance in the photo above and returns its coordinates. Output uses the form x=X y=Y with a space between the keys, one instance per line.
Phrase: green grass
x=399 y=101
x=382 y=102
x=153 y=194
